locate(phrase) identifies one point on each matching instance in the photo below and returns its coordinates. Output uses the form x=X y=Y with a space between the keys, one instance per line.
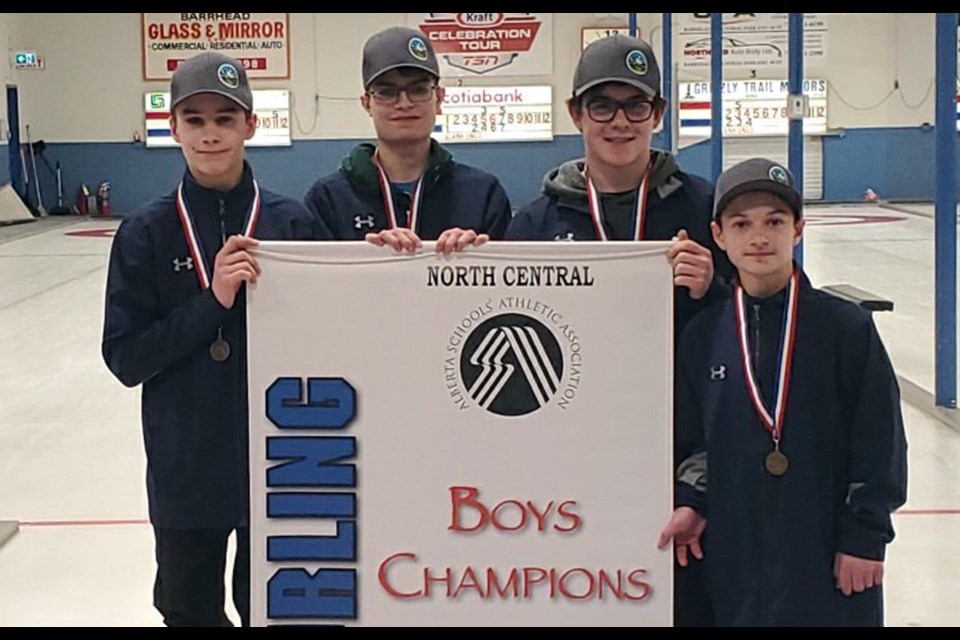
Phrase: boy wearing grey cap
x=407 y=187
x=623 y=189
x=787 y=395
x=626 y=190
x=175 y=323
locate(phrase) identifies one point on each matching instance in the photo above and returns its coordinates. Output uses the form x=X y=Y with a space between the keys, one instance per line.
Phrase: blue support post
x=633 y=24
x=716 y=95
x=946 y=212
x=668 y=82
x=795 y=82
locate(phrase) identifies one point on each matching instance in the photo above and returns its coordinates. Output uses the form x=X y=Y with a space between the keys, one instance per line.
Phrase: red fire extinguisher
x=103 y=198
x=83 y=200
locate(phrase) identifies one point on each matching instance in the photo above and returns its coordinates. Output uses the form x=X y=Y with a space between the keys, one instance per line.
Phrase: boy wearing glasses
x=407 y=187
x=623 y=189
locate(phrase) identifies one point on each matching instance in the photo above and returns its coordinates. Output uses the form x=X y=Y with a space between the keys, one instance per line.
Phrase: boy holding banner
x=175 y=323
x=788 y=395
x=407 y=187
x=624 y=189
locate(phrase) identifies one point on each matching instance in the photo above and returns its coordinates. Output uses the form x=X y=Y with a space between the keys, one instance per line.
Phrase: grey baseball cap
x=395 y=48
x=211 y=72
x=618 y=58
x=756 y=174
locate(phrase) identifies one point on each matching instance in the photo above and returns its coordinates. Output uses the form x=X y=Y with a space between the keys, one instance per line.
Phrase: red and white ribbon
x=204 y=272
x=772 y=421
x=388 y=198
x=596 y=209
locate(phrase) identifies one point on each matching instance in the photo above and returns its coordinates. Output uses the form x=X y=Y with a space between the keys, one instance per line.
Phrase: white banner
x=477 y=440
x=491 y=44
x=260 y=41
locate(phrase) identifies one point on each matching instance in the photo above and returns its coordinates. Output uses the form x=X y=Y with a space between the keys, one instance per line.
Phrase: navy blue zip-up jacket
x=770 y=550
x=349 y=203
x=158 y=328
x=675 y=201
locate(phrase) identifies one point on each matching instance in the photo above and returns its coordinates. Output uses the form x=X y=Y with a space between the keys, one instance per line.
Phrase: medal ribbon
x=388 y=198
x=189 y=231
x=773 y=422
x=596 y=210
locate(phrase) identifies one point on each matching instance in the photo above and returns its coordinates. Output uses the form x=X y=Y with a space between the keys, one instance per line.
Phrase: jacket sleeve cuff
x=209 y=306
x=206 y=313
x=862 y=547
x=687 y=496
x=718 y=289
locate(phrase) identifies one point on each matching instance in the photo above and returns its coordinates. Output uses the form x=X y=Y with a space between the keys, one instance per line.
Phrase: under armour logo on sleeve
x=561 y=238
x=183 y=265
x=718 y=372
x=359 y=222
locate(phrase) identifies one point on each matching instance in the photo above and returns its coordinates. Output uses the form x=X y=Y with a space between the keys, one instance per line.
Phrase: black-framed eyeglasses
x=635 y=110
x=389 y=94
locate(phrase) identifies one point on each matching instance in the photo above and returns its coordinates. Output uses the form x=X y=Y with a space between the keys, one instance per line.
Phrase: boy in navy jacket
x=407 y=187
x=175 y=323
x=786 y=394
x=624 y=189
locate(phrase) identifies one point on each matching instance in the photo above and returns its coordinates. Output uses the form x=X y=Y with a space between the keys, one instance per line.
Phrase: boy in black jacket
x=175 y=323
x=786 y=394
x=624 y=189
x=407 y=187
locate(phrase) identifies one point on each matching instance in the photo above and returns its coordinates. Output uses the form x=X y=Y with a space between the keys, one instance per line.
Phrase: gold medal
x=220 y=350
x=776 y=463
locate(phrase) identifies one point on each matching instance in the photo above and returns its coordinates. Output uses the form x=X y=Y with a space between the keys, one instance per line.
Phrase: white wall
x=915 y=64
x=867 y=54
x=92 y=87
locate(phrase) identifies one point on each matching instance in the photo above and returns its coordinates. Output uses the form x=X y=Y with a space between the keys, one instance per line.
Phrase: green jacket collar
x=360 y=170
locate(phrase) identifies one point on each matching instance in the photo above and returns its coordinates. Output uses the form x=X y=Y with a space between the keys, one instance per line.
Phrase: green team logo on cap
x=418 y=49
x=637 y=62
x=779 y=174
x=229 y=76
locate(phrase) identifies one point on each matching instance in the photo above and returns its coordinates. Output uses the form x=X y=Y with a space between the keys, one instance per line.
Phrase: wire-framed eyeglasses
x=390 y=94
